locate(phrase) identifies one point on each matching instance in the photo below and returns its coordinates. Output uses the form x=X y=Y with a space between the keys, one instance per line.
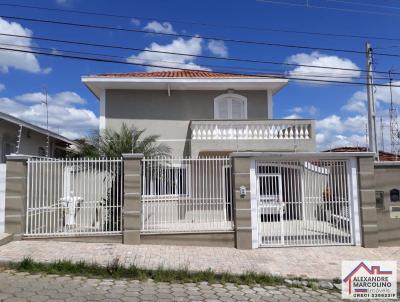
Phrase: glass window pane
x=223 y=109
x=237 y=109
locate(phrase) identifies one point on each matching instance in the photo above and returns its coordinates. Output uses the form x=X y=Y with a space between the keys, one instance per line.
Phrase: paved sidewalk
x=312 y=262
x=25 y=287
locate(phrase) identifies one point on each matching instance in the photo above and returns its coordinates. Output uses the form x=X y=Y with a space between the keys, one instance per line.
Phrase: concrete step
x=5 y=238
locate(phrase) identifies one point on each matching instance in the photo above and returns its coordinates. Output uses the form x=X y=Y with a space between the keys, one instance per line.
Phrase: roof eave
x=38 y=129
x=97 y=84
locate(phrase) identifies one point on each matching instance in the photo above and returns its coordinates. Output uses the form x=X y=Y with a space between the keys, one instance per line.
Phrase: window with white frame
x=170 y=180
x=230 y=106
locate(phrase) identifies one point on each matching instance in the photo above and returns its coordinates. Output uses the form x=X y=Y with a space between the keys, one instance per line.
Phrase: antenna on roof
x=46 y=103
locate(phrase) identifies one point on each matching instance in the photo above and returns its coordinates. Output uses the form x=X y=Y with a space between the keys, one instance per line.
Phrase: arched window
x=394 y=195
x=230 y=106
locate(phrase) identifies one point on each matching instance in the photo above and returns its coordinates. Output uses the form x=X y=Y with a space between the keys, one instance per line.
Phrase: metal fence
x=74 y=197
x=186 y=195
x=304 y=203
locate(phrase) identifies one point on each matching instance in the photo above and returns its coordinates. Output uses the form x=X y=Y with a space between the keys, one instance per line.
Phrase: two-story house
x=200 y=112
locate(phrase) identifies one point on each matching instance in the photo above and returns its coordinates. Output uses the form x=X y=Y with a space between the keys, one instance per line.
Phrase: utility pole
x=382 y=137
x=372 y=143
x=394 y=125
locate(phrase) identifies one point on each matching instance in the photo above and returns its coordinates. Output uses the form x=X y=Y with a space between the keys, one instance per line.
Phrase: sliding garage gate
x=304 y=203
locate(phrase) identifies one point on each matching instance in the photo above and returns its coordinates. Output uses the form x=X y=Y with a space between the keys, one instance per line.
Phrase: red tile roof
x=177 y=74
x=383 y=156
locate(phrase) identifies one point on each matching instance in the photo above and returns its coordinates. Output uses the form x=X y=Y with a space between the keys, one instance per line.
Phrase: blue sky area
x=338 y=109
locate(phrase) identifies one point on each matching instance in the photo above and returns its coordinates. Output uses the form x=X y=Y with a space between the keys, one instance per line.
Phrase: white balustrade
x=218 y=130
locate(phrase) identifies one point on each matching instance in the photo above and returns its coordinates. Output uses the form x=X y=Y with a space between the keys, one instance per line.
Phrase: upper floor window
x=230 y=106
x=394 y=195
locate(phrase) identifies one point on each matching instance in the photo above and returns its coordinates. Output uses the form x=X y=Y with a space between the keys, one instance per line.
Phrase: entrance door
x=270 y=209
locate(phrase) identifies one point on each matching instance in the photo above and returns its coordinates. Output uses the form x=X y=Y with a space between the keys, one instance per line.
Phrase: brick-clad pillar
x=16 y=191
x=242 y=204
x=369 y=224
x=132 y=198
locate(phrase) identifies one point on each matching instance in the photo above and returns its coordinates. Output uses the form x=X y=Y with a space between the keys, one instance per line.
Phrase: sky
x=339 y=109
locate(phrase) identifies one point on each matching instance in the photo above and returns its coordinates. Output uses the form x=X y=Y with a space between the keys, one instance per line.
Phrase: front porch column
x=16 y=195
x=132 y=198
x=369 y=220
x=242 y=204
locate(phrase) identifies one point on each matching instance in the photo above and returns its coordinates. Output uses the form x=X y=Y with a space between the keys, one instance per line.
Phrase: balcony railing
x=252 y=130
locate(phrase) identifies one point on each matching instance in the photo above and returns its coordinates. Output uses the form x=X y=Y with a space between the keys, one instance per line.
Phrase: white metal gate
x=186 y=195
x=71 y=197
x=304 y=203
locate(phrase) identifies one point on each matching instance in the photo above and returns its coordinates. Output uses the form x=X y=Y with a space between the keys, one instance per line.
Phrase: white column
x=354 y=203
x=269 y=105
x=254 y=205
x=102 y=121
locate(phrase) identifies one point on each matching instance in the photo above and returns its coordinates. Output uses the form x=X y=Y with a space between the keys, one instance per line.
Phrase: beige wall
x=387 y=178
x=169 y=116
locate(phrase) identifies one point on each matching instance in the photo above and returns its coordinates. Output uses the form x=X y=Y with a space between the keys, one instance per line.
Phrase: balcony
x=250 y=135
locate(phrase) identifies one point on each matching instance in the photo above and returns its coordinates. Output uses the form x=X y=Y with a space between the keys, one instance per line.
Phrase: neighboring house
x=200 y=112
x=383 y=155
x=19 y=136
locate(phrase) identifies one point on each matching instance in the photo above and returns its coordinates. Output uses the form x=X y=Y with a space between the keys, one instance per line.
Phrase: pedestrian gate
x=73 y=197
x=304 y=203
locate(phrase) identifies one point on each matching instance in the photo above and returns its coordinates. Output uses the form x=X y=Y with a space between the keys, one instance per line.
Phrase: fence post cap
x=15 y=156
x=133 y=155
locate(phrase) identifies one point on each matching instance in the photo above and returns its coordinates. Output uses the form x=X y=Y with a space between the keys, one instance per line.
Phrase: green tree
x=111 y=143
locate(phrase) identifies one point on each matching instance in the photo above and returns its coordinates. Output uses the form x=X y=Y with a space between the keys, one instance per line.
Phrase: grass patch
x=116 y=270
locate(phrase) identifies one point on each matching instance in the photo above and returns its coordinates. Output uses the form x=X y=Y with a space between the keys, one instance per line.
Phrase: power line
x=53 y=54
x=364 y=4
x=110 y=46
x=307 y=75
x=309 y=5
x=291 y=76
x=218 y=25
x=193 y=36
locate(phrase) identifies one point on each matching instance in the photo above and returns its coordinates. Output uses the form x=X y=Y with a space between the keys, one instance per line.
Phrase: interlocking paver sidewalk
x=25 y=287
x=313 y=262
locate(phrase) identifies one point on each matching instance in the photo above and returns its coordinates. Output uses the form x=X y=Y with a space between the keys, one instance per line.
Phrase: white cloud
x=358 y=101
x=294 y=116
x=192 y=46
x=135 y=21
x=218 y=48
x=64 y=117
x=315 y=73
x=64 y=2
x=13 y=59
x=336 y=131
x=310 y=110
x=62 y=99
x=157 y=27
x=2 y=87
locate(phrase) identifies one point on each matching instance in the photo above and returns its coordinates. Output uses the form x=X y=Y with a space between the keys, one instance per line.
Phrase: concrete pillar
x=242 y=204
x=132 y=198
x=16 y=195
x=369 y=220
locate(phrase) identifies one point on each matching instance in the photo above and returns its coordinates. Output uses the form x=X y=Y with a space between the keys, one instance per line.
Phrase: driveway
x=311 y=262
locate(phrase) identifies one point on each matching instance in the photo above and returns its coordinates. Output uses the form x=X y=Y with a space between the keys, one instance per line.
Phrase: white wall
x=2 y=195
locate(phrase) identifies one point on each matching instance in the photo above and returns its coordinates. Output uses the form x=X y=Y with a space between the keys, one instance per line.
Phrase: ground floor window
x=167 y=181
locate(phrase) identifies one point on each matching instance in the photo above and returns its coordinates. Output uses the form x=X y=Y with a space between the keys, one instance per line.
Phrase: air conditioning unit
x=395 y=212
